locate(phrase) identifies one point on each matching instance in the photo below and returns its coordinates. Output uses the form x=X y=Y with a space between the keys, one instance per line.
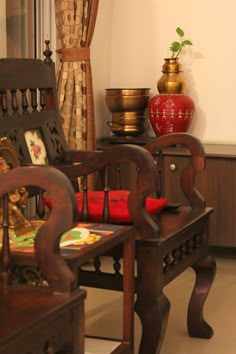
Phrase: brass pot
x=127 y=107
x=128 y=123
x=127 y=103
x=128 y=117
x=123 y=129
x=172 y=80
x=127 y=91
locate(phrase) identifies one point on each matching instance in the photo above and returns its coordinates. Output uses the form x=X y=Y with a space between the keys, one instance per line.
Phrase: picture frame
x=36 y=147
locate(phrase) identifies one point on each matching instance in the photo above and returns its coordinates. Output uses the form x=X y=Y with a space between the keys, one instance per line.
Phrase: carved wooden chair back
x=29 y=110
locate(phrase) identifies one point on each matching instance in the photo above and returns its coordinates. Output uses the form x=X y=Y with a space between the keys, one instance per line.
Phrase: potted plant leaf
x=172 y=80
x=176 y=47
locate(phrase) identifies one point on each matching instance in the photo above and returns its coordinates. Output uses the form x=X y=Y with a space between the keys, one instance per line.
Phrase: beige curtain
x=75 y=22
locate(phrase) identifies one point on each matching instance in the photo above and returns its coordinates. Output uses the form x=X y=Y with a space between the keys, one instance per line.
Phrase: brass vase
x=172 y=80
x=171 y=110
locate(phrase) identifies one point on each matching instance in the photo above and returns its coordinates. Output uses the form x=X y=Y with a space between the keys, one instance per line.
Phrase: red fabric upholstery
x=118 y=208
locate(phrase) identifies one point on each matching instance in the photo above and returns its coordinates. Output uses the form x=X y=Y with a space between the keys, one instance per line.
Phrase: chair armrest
x=196 y=162
x=63 y=217
x=70 y=156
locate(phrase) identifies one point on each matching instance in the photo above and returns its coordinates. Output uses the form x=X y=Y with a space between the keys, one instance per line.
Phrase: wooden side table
x=76 y=253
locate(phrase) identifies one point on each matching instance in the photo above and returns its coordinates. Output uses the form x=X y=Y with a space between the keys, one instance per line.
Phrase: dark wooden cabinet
x=217 y=184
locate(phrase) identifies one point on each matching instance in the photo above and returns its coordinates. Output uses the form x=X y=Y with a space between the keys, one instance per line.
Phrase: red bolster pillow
x=118 y=208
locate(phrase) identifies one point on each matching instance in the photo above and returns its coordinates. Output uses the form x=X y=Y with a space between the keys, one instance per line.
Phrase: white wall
x=101 y=64
x=133 y=36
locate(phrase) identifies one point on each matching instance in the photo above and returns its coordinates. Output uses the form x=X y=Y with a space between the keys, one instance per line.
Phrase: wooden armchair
x=165 y=245
x=41 y=319
x=78 y=245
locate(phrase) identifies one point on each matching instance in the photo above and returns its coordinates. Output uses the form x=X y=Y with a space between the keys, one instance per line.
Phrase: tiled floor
x=103 y=313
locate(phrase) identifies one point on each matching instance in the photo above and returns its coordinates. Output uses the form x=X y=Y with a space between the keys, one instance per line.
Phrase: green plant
x=176 y=47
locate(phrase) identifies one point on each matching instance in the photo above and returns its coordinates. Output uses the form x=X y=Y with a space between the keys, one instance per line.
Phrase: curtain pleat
x=75 y=22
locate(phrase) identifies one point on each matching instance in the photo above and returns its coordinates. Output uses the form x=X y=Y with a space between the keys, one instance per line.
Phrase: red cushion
x=118 y=209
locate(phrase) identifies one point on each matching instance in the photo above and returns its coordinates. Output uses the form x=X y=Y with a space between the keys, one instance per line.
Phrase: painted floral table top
x=73 y=240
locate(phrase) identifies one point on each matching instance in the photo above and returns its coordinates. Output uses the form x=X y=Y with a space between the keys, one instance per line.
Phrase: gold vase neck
x=171 y=65
x=172 y=80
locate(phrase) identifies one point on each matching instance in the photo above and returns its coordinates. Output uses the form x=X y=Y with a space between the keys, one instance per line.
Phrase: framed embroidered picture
x=36 y=147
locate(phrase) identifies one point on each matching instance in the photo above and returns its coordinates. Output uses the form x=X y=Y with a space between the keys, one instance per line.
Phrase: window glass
x=20 y=28
x=24 y=27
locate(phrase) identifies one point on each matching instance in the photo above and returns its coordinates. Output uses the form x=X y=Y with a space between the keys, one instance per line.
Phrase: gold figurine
x=18 y=223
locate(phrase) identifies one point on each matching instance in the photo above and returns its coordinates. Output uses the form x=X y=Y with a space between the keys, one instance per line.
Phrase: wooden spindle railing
x=5 y=255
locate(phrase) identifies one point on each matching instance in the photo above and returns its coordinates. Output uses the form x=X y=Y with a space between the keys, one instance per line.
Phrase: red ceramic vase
x=170 y=113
